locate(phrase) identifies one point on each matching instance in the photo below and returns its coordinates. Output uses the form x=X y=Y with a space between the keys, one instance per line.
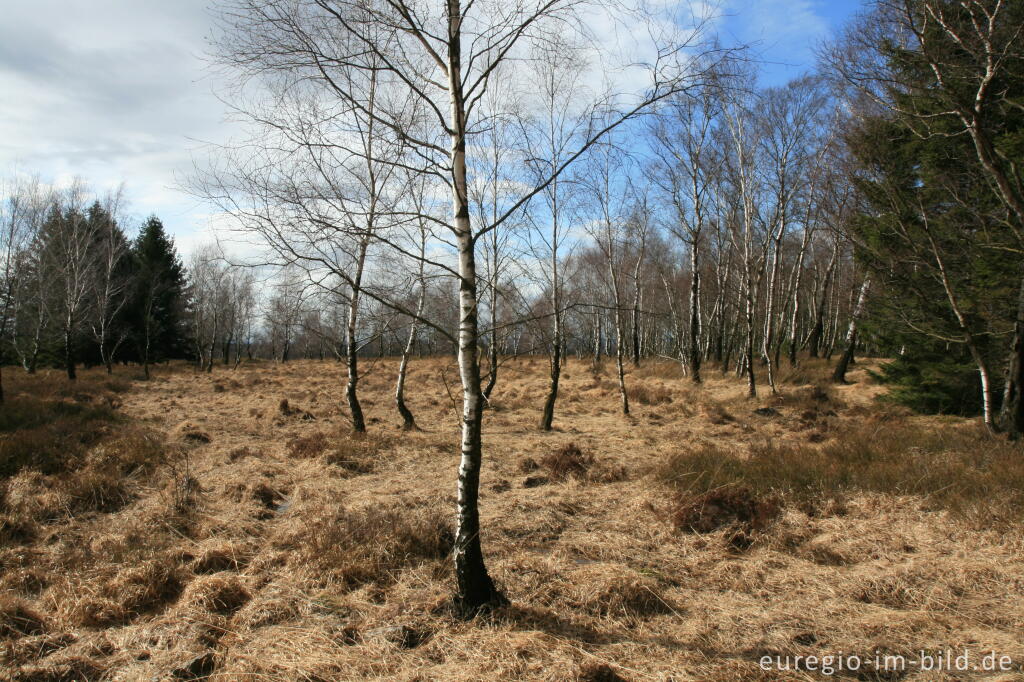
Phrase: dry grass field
x=226 y=526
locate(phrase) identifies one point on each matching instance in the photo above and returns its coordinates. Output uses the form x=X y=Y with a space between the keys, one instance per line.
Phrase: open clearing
x=246 y=537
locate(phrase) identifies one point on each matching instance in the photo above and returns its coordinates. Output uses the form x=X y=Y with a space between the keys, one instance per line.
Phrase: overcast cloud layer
x=117 y=90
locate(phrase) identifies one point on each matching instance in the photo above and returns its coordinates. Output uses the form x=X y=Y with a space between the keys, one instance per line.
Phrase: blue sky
x=784 y=33
x=117 y=90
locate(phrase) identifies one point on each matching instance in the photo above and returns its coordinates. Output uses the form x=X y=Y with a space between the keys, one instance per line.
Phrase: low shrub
x=183 y=488
x=355 y=453
x=729 y=506
x=307 y=447
x=286 y=409
x=814 y=401
x=962 y=470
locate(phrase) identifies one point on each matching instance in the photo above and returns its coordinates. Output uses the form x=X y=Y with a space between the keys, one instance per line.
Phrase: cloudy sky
x=118 y=90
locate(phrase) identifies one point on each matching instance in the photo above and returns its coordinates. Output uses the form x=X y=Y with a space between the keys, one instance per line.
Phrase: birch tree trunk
x=839 y=375
x=694 y=349
x=548 y=414
x=69 y=349
x=474 y=588
x=814 y=341
x=619 y=350
x=969 y=338
x=1011 y=412
x=351 y=344
x=492 y=348
x=794 y=313
x=770 y=296
x=635 y=312
x=408 y=421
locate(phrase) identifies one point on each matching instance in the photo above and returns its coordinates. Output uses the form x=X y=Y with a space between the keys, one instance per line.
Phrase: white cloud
x=110 y=91
x=118 y=90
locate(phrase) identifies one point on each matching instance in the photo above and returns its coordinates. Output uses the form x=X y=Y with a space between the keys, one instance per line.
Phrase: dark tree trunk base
x=492 y=375
x=548 y=414
x=1011 y=412
x=480 y=597
x=408 y=420
x=839 y=375
x=355 y=409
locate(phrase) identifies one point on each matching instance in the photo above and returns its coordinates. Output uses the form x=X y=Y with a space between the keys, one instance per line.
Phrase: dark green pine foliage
x=158 y=296
x=931 y=377
x=929 y=202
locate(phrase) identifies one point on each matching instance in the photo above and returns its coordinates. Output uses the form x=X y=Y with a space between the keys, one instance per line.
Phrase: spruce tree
x=159 y=296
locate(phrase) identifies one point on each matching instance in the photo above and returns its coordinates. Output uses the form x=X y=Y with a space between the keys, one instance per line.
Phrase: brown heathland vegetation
x=228 y=527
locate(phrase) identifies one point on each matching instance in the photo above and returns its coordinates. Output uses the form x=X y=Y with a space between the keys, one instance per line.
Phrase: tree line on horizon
x=77 y=290
x=889 y=188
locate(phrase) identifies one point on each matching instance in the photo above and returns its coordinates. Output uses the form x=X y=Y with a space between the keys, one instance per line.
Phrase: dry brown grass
x=647 y=394
x=367 y=545
x=257 y=552
x=221 y=593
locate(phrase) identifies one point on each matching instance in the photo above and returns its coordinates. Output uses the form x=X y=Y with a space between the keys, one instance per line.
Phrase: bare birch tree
x=444 y=59
x=67 y=259
x=739 y=123
x=111 y=277
x=685 y=165
x=22 y=211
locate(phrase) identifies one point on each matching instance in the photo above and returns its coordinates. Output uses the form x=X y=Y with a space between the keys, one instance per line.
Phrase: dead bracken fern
x=567 y=461
x=728 y=506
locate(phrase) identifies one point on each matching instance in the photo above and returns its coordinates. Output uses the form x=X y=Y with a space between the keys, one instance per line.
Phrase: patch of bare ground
x=232 y=528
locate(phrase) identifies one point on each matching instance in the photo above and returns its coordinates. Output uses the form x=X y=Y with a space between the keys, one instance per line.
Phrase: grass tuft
x=18 y=619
